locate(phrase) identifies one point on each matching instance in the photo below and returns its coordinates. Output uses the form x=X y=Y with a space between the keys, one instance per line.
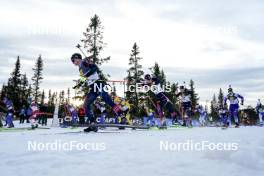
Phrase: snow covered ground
x=130 y=153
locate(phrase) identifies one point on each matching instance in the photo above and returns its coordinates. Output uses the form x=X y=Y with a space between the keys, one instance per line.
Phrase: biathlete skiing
x=89 y=73
x=260 y=112
x=223 y=114
x=162 y=99
x=234 y=105
x=10 y=113
x=185 y=105
x=202 y=115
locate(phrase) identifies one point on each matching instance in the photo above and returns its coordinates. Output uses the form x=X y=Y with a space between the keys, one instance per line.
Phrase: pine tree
x=51 y=105
x=214 y=107
x=93 y=40
x=129 y=79
x=24 y=89
x=37 y=77
x=156 y=70
x=62 y=97
x=50 y=98
x=220 y=97
x=194 y=95
x=29 y=91
x=42 y=100
x=163 y=78
x=9 y=88
x=68 y=96
x=14 y=84
x=158 y=73
x=135 y=74
x=3 y=92
x=53 y=99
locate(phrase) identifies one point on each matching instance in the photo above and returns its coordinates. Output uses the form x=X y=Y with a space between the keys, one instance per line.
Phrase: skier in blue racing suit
x=90 y=76
x=260 y=112
x=10 y=113
x=234 y=105
x=161 y=97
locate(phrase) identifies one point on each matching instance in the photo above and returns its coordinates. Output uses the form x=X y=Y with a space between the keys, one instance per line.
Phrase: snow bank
x=132 y=153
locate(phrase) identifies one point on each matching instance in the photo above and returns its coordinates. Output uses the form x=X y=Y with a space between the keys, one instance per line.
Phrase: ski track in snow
x=130 y=153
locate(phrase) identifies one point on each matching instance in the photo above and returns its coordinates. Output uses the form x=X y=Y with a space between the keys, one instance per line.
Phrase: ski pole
x=79 y=47
x=157 y=107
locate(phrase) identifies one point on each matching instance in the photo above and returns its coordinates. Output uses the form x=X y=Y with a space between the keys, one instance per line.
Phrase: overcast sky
x=215 y=43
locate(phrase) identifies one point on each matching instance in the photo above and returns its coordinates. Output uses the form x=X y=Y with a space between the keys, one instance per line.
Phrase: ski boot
x=92 y=127
x=225 y=126
x=237 y=125
x=184 y=123
x=34 y=126
x=190 y=124
x=175 y=122
x=10 y=125
x=163 y=125
x=123 y=122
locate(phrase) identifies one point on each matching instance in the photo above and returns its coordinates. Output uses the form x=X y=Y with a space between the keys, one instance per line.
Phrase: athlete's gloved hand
x=80 y=82
x=242 y=103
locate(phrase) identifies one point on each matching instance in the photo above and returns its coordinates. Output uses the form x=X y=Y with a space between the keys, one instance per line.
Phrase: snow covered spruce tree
x=29 y=91
x=93 y=40
x=129 y=82
x=24 y=89
x=17 y=87
x=42 y=98
x=51 y=101
x=3 y=91
x=68 y=96
x=214 y=107
x=37 y=77
x=158 y=73
x=62 y=97
x=194 y=95
x=220 y=97
x=2 y=95
x=14 y=84
x=49 y=98
x=135 y=74
x=93 y=43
